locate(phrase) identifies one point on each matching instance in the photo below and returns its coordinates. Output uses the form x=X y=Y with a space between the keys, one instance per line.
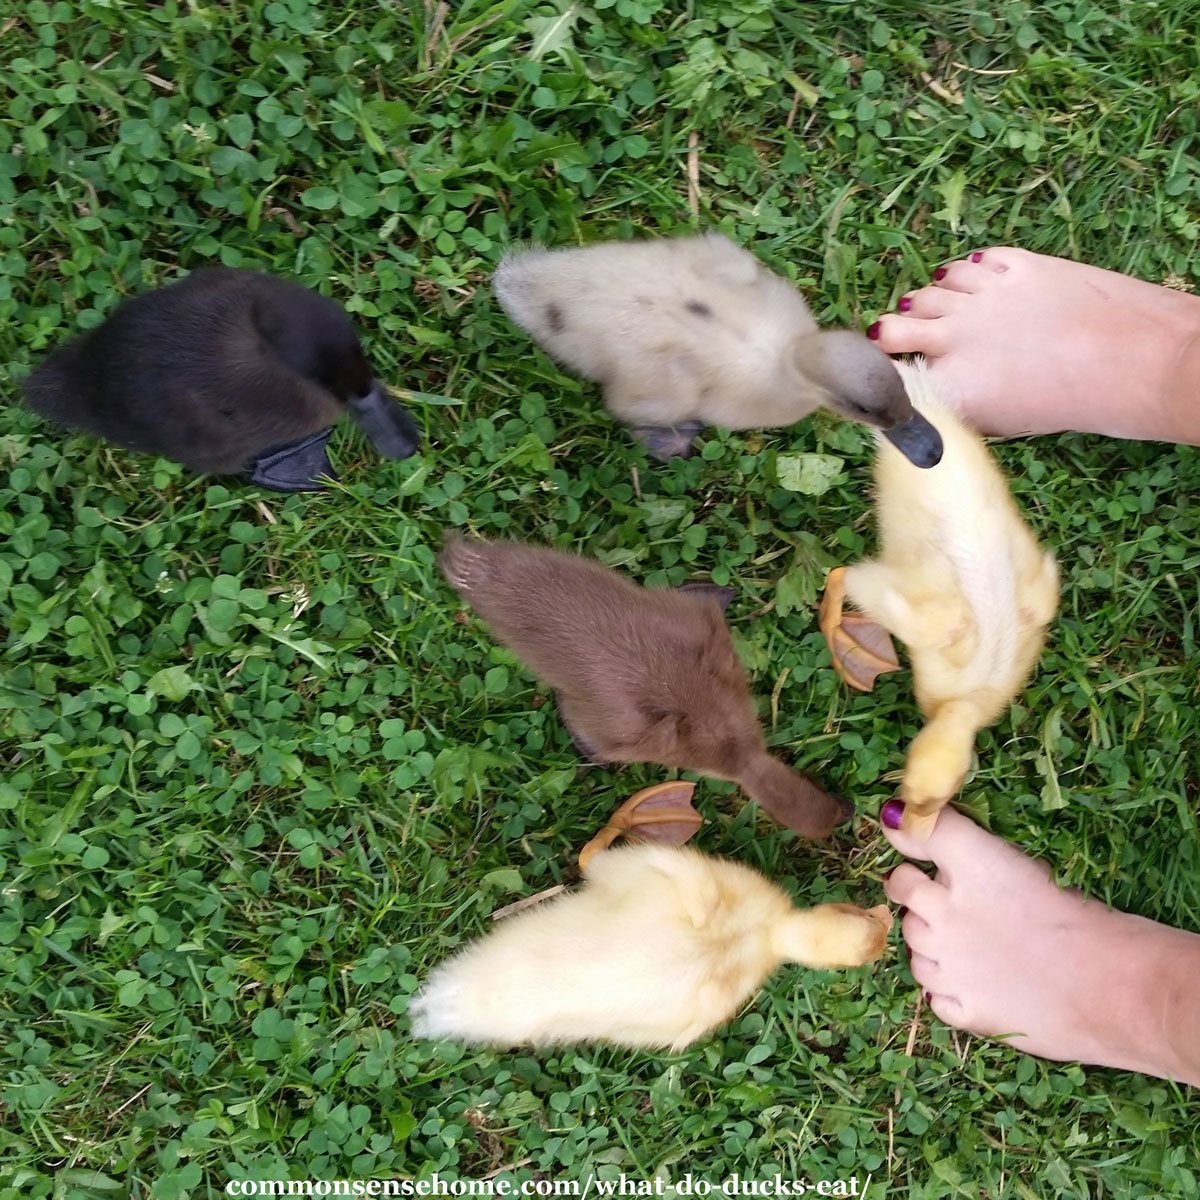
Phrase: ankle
x=1181 y=399
x=1157 y=1029
x=1181 y=1014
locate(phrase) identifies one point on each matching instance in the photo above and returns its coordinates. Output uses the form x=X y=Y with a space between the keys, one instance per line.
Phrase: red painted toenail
x=901 y=912
x=940 y=273
x=977 y=256
x=892 y=813
x=905 y=303
x=873 y=332
x=928 y=997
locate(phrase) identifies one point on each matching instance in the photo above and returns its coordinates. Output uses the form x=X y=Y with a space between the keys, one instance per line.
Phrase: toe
x=911 y=887
x=955 y=840
x=964 y=276
x=919 y=937
x=999 y=259
x=948 y=1009
x=931 y=302
x=908 y=335
x=924 y=970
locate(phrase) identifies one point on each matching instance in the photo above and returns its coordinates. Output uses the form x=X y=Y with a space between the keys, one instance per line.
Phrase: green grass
x=258 y=775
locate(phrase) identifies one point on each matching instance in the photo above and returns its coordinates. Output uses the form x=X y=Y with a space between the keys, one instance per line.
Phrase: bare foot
x=1001 y=950
x=1026 y=343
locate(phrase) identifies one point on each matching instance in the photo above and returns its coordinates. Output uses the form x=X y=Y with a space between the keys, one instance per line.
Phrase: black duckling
x=229 y=372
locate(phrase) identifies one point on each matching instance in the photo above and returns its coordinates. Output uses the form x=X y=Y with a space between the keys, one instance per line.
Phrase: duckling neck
x=788 y=796
x=794 y=939
x=940 y=755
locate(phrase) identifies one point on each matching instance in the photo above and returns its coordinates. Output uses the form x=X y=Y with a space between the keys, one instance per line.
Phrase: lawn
x=259 y=770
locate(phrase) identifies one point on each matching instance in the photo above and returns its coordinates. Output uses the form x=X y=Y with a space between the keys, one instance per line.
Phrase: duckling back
x=961 y=580
x=676 y=329
x=623 y=657
x=661 y=945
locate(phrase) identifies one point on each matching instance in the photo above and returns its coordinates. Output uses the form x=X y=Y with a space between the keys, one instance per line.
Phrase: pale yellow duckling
x=961 y=580
x=661 y=945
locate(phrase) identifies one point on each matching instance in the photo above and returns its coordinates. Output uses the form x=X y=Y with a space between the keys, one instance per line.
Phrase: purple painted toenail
x=905 y=303
x=892 y=813
x=873 y=332
x=928 y=997
x=977 y=256
x=940 y=273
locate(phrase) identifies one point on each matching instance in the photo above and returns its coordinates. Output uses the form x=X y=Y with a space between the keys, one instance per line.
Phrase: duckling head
x=315 y=338
x=856 y=380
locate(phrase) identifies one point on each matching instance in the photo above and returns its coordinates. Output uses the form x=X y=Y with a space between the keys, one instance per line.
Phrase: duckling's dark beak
x=391 y=430
x=917 y=440
x=296 y=467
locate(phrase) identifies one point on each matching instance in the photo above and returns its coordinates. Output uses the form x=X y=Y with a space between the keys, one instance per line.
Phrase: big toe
x=955 y=839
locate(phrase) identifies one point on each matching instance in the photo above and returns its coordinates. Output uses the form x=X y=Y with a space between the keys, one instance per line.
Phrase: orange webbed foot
x=861 y=649
x=662 y=813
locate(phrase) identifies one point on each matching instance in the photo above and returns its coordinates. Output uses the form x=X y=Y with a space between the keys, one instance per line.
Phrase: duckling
x=961 y=580
x=228 y=372
x=694 y=331
x=642 y=674
x=661 y=945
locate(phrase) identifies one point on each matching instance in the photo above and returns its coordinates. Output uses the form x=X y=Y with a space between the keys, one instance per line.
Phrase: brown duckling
x=642 y=674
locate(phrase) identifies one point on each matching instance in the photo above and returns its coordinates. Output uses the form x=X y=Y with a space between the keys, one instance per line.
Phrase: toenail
x=873 y=332
x=940 y=273
x=888 y=874
x=892 y=813
x=905 y=303
x=977 y=256
x=928 y=997
x=901 y=912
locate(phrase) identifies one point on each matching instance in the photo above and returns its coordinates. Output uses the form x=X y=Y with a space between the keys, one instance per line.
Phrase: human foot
x=1001 y=950
x=1026 y=343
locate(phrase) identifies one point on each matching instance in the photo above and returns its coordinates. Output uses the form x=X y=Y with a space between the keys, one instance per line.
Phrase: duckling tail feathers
x=53 y=389
x=466 y=563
